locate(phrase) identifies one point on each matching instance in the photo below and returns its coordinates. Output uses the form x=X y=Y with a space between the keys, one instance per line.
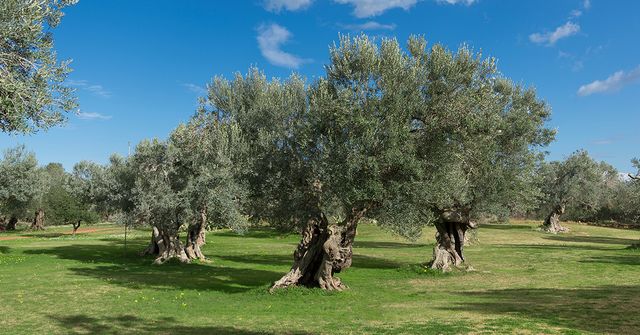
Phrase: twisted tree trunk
x=75 y=226
x=38 y=220
x=323 y=251
x=165 y=245
x=450 y=240
x=196 y=237
x=12 y=223
x=552 y=222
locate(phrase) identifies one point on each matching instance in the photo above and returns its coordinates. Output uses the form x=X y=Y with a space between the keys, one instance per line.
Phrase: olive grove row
x=405 y=136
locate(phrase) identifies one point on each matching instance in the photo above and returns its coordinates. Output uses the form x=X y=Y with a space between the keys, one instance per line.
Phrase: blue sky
x=139 y=66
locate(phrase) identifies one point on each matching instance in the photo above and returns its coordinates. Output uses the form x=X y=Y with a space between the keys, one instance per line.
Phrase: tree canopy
x=33 y=93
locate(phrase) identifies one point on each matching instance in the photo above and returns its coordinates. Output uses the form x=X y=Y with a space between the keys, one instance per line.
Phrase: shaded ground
x=525 y=281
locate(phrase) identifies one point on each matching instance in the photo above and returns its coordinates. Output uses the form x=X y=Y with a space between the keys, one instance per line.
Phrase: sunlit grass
x=526 y=281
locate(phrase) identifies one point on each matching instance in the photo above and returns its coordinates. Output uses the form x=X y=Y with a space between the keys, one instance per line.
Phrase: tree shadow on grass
x=504 y=226
x=254 y=233
x=621 y=260
x=572 y=247
x=130 y=324
x=592 y=239
x=359 y=261
x=4 y=250
x=387 y=245
x=108 y=263
x=605 y=309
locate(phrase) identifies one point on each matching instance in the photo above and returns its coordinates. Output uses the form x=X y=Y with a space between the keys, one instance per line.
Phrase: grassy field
x=525 y=281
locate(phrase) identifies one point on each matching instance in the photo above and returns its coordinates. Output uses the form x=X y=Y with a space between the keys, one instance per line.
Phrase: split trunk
x=76 y=226
x=451 y=232
x=196 y=237
x=323 y=251
x=38 y=220
x=552 y=222
x=165 y=245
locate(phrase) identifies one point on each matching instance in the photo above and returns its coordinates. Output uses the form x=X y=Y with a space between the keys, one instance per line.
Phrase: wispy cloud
x=270 y=40
x=550 y=38
x=368 y=8
x=586 y=4
x=290 y=5
x=95 y=89
x=369 y=25
x=92 y=116
x=455 y=2
x=197 y=89
x=613 y=83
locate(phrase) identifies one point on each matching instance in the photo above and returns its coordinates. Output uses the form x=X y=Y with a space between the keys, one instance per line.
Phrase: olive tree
x=576 y=182
x=336 y=150
x=188 y=180
x=18 y=183
x=478 y=139
x=33 y=93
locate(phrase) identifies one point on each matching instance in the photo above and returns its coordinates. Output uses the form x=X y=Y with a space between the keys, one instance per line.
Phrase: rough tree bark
x=552 y=222
x=12 y=223
x=450 y=239
x=165 y=245
x=196 y=237
x=38 y=220
x=323 y=251
x=75 y=226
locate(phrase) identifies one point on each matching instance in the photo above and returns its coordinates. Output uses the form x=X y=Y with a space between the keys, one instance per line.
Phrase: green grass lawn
x=525 y=281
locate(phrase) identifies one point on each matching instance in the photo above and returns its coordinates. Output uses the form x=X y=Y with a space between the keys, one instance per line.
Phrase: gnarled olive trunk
x=12 y=223
x=75 y=226
x=552 y=222
x=323 y=251
x=38 y=220
x=450 y=240
x=196 y=237
x=165 y=245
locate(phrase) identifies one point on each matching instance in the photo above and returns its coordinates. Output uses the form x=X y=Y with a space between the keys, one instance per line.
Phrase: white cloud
x=575 y=13
x=270 y=40
x=197 y=89
x=291 y=5
x=455 y=2
x=368 y=8
x=92 y=116
x=586 y=4
x=550 y=38
x=95 y=89
x=369 y=25
x=613 y=83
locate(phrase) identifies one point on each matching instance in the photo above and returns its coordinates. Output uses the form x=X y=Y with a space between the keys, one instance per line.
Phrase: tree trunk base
x=321 y=253
x=451 y=236
x=165 y=246
x=196 y=237
x=38 y=220
x=13 y=221
x=552 y=222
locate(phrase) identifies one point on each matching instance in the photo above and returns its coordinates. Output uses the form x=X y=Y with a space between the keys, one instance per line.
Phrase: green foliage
x=206 y=151
x=579 y=183
x=63 y=207
x=33 y=94
x=18 y=181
